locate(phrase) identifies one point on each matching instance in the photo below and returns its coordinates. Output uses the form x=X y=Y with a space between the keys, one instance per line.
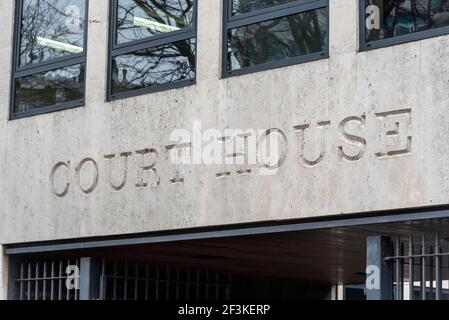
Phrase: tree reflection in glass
x=139 y=19
x=278 y=39
x=245 y=6
x=49 y=88
x=51 y=29
x=400 y=17
x=170 y=63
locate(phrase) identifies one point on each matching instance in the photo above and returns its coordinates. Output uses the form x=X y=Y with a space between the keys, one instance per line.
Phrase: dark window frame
x=234 y=21
x=115 y=49
x=44 y=66
x=383 y=43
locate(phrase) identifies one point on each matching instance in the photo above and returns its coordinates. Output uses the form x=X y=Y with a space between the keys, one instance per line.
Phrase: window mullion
x=158 y=40
x=273 y=12
x=50 y=66
x=153 y=43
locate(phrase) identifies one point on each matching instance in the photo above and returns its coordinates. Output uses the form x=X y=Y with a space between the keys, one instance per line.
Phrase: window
x=388 y=22
x=153 y=46
x=49 y=56
x=265 y=34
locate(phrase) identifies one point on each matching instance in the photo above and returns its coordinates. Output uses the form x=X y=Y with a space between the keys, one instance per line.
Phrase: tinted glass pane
x=50 y=29
x=277 y=39
x=50 y=88
x=169 y=63
x=138 y=19
x=244 y=6
x=392 y=18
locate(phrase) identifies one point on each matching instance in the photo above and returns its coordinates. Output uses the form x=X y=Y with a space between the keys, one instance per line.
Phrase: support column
x=3 y=275
x=10 y=272
x=89 y=279
x=380 y=272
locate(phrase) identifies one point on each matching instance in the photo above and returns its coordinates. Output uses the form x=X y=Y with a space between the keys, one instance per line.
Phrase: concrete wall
x=395 y=99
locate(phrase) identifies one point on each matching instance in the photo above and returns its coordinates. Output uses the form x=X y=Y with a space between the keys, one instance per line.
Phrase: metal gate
x=417 y=268
x=47 y=279
x=44 y=280
x=123 y=280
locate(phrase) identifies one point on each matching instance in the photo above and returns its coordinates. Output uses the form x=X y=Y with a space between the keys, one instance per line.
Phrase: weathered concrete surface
x=402 y=88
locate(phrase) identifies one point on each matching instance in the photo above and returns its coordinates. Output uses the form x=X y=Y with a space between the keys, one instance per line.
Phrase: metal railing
x=123 y=280
x=35 y=278
x=420 y=268
x=45 y=280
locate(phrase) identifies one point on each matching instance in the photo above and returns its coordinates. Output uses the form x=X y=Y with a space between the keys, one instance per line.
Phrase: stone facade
x=362 y=131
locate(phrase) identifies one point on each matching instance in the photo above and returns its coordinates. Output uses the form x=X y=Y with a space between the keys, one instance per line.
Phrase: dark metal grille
x=45 y=280
x=139 y=281
x=420 y=268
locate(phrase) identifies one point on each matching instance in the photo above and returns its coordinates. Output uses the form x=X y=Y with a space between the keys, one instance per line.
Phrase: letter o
x=78 y=177
x=281 y=156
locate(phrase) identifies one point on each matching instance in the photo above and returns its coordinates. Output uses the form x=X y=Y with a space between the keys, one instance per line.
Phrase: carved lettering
x=322 y=126
x=110 y=157
x=55 y=168
x=177 y=179
x=271 y=150
x=151 y=167
x=225 y=157
x=395 y=139
x=352 y=139
x=247 y=151
x=94 y=181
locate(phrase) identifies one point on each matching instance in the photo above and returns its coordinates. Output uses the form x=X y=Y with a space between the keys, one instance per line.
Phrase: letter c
x=52 y=179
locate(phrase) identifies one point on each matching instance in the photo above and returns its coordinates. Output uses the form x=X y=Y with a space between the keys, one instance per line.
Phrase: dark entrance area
x=295 y=260
x=55 y=278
